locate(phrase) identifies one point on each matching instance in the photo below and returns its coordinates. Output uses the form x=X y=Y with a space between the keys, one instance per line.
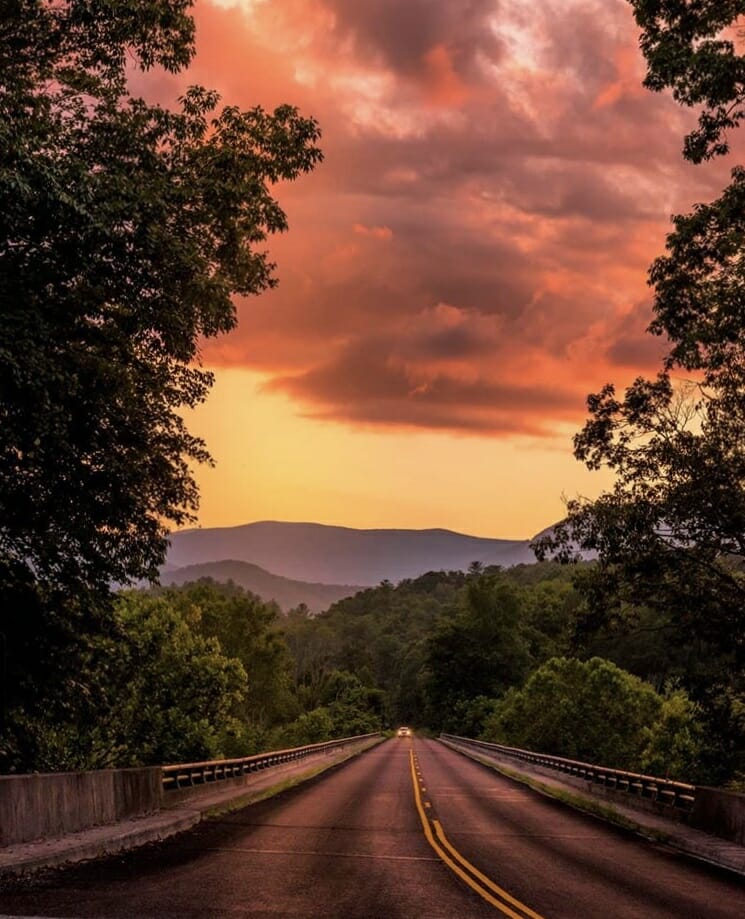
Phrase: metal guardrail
x=653 y=788
x=185 y=775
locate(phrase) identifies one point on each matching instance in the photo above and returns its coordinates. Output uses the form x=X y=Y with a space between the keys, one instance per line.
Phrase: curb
x=118 y=839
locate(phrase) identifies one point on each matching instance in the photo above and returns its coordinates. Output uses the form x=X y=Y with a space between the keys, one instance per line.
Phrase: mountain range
x=334 y=556
x=285 y=592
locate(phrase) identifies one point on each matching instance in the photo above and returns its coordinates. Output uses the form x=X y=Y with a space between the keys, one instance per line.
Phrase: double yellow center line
x=476 y=880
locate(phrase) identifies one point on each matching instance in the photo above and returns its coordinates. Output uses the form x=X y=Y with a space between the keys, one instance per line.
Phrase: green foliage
x=379 y=635
x=349 y=708
x=175 y=691
x=688 y=49
x=673 y=744
x=642 y=641
x=152 y=690
x=670 y=535
x=354 y=707
x=124 y=230
x=480 y=652
x=312 y=645
x=247 y=629
x=469 y=716
x=314 y=726
x=591 y=711
x=698 y=289
x=550 y=611
x=435 y=649
x=208 y=670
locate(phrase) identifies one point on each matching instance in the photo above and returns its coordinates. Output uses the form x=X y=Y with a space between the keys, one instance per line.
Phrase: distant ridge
x=331 y=555
x=285 y=592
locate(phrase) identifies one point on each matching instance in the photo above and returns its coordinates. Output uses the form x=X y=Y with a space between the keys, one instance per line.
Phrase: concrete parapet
x=49 y=806
x=53 y=804
x=714 y=831
x=721 y=813
x=179 y=810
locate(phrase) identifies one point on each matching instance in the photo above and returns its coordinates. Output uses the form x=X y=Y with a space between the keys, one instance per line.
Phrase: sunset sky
x=465 y=266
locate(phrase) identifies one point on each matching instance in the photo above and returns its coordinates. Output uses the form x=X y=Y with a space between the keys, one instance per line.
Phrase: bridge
x=404 y=827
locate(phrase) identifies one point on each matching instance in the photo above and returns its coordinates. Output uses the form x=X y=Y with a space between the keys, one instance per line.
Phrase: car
x=404 y=732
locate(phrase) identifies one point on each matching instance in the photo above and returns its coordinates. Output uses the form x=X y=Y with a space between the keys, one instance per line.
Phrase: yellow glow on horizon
x=274 y=464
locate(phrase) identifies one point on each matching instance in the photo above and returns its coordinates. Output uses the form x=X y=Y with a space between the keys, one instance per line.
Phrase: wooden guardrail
x=185 y=775
x=676 y=794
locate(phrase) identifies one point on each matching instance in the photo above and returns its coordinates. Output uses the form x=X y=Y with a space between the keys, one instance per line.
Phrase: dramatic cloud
x=472 y=254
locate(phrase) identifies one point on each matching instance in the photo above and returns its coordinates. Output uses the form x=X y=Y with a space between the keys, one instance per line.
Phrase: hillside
x=330 y=555
x=284 y=591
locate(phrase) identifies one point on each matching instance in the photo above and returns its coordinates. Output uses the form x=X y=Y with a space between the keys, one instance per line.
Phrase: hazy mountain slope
x=287 y=593
x=337 y=555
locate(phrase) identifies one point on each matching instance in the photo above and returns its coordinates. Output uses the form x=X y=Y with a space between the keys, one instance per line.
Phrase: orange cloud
x=443 y=86
x=384 y=233
x=472 y=254
x=628 y=78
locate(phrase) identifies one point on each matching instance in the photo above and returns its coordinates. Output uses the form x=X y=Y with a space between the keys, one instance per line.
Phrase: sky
x=465 y=266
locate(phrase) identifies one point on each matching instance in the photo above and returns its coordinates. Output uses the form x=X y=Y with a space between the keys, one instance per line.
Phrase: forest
x=208 y=670
x=127 y=229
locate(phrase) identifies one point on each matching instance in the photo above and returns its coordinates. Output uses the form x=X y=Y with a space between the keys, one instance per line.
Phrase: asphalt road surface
x=408 y=829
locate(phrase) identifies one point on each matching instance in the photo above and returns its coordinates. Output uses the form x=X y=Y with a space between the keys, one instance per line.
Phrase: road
x=408 y=829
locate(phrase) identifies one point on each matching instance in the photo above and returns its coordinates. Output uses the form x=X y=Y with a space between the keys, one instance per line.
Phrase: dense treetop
x=691 y=46
x=125 y=228
x=670 y=534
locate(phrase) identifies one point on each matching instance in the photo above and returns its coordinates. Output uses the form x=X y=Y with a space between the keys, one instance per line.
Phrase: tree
x=481 y=652
x=379 y=634
x=311 y=727
x=673 y=744
x=550 y=612
x=176 y=693
x=591 y=711
x=690 y=47
x=151 y=690
x=354 y=707
x=670 y=535
x=312 y=645
x=124 y=230
x=247 y=629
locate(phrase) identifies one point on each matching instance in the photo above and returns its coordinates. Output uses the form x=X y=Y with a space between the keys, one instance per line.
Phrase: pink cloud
x=384 y=233
x=444 y=86
x=472 y=254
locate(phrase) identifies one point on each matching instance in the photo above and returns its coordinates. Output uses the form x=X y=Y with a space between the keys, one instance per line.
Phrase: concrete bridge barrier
x=48 y=805
x=721 y=813
x=53 y=804
x=711 y=810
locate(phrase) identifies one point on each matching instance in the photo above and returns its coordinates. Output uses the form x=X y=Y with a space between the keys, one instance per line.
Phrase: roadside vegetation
x=208 y=670
x=125 y=230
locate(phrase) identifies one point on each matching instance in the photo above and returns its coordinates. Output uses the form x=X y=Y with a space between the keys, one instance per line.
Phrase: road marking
x=467 y=872
x=482 y=877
